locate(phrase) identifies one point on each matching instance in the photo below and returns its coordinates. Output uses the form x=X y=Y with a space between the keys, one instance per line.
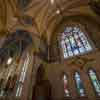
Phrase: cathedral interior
x=49 y=49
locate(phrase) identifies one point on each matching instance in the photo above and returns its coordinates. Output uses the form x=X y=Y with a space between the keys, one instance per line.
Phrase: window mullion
x=81 y=41
x=71 y=46
x=66 y=48
x=76 y=43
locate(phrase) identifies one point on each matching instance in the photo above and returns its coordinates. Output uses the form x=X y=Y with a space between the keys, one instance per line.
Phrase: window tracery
x=74 y=42
x=95 y=82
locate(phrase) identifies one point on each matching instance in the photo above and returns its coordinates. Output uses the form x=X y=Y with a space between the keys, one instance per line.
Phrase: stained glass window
x=79 y=85
x=74 y=42
x=95 y=81
x=65 y=81
x=22 y=76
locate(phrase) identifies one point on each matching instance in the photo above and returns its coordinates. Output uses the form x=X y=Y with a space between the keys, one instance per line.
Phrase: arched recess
x=79 y=84
x=90 y=24
x=65 y=85
x=94 y=81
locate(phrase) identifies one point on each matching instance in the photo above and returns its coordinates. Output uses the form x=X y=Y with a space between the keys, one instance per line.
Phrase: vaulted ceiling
x=45 y=14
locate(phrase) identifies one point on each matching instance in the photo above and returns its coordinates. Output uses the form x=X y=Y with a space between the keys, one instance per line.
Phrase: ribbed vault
x=45 y=14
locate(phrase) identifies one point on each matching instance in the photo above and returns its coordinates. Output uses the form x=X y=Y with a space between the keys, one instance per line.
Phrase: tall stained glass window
x=95 y=81
x=22 y=76
x=65 y=84
x=74 y=42
x=79 y=85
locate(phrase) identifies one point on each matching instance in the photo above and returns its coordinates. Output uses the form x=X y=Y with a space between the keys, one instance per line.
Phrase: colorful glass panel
x=74 y=42
x=95 y=81
x=66 y=91
x=79 y=84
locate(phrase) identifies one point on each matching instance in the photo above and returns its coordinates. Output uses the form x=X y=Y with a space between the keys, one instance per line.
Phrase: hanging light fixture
x=9 y=61
x=52 y=1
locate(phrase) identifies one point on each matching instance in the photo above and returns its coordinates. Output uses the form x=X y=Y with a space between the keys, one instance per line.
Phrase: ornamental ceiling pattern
x=40 y=16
